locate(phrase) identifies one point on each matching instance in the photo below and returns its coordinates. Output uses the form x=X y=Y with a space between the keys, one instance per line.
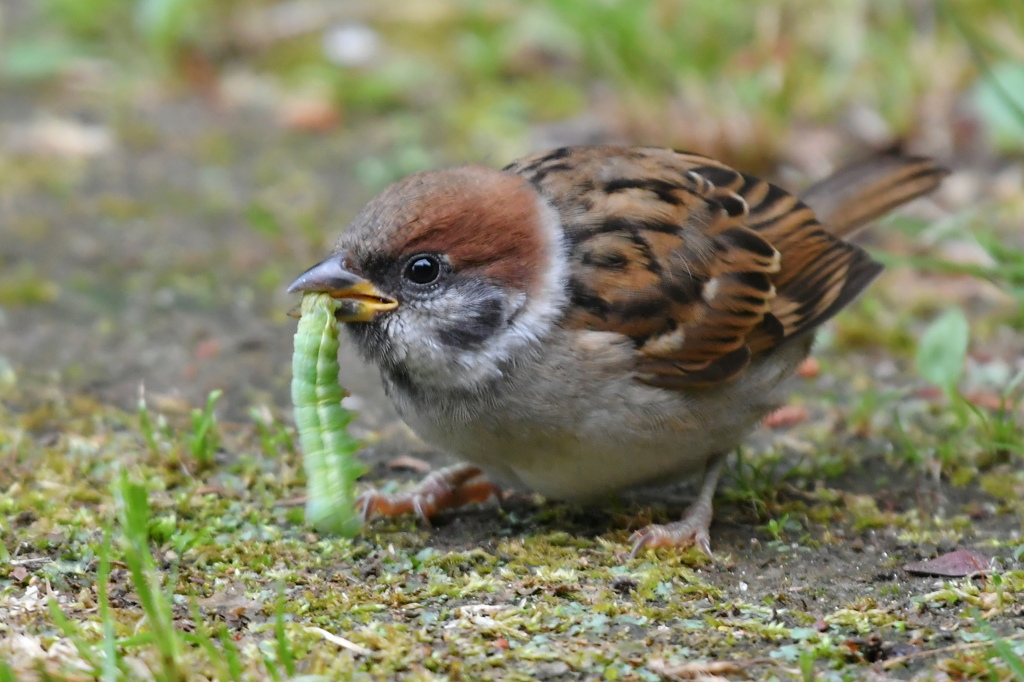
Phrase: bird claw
x=451 y=487
x=691 y=531
x=694 y=529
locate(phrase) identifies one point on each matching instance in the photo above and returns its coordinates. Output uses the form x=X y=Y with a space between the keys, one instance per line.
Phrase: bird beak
x=360 y=300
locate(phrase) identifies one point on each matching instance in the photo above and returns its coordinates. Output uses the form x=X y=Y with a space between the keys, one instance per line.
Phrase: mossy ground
x=159 y=259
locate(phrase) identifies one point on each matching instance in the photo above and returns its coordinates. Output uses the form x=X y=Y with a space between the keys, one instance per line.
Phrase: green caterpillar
x=329 y=450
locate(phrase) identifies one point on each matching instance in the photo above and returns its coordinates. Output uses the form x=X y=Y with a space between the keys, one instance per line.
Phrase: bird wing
x=701 y=266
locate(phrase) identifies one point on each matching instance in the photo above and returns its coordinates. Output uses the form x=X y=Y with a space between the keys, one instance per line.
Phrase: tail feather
x=858 y=194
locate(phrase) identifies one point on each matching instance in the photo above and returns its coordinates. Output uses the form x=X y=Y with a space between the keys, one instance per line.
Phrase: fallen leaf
x=207 y=349
x=987 y=400
x=809 y=368
x=309 y=114
x=930 y=393
x=694 y=670
x=201 y=73
x=958 y=564
x=787 y=416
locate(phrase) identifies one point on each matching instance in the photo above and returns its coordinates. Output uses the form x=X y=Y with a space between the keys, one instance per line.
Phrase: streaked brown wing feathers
x=701 y=266
x=661 y=255
x=819 y=273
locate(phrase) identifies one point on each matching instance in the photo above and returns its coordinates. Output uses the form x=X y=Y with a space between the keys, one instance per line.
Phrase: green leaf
x=166 y=23
x=998 y=98
x=37 y=59
x=943 y=349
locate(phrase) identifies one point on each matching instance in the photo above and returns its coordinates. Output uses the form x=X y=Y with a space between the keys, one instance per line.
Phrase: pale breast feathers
x=701 y=266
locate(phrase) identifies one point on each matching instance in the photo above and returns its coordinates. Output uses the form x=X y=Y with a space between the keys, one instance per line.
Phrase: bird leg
x=453 y=486
x=694 y=527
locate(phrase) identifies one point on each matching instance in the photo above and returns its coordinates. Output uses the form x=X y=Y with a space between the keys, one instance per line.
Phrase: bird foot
x=692 y=530
x=454 y=486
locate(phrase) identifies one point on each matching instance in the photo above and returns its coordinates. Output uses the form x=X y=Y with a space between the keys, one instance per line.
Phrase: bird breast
x=575 y=424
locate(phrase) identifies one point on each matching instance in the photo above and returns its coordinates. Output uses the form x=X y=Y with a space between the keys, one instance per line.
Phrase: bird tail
x=854 y=196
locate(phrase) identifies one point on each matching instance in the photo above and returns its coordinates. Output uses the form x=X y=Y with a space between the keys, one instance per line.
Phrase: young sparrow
x=595 y=318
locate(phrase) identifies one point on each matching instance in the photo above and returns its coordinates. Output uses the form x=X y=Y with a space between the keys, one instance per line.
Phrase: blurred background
x=168 y=166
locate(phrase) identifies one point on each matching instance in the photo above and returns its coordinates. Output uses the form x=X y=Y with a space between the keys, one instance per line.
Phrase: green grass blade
x=110 y=657
x=70 y=630
x=134 y=514
x=230 y=651
x=284 y=649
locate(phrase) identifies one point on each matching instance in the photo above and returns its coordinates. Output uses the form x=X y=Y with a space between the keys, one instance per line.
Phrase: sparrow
x=591 y=319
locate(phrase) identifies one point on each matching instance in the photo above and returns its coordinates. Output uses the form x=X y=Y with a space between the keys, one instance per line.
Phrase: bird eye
x=423 y=269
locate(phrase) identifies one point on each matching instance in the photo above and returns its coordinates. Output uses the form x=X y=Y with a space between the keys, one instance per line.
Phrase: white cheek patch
x=552 y=295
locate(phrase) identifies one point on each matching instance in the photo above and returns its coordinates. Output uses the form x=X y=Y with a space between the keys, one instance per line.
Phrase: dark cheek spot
x=479 y=324
x=371 y=340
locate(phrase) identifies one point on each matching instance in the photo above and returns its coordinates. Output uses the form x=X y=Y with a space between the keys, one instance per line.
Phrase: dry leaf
x=958 y=564
x=309 y=114
x=787 y=416
x=694 y=670
x=809 y=368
